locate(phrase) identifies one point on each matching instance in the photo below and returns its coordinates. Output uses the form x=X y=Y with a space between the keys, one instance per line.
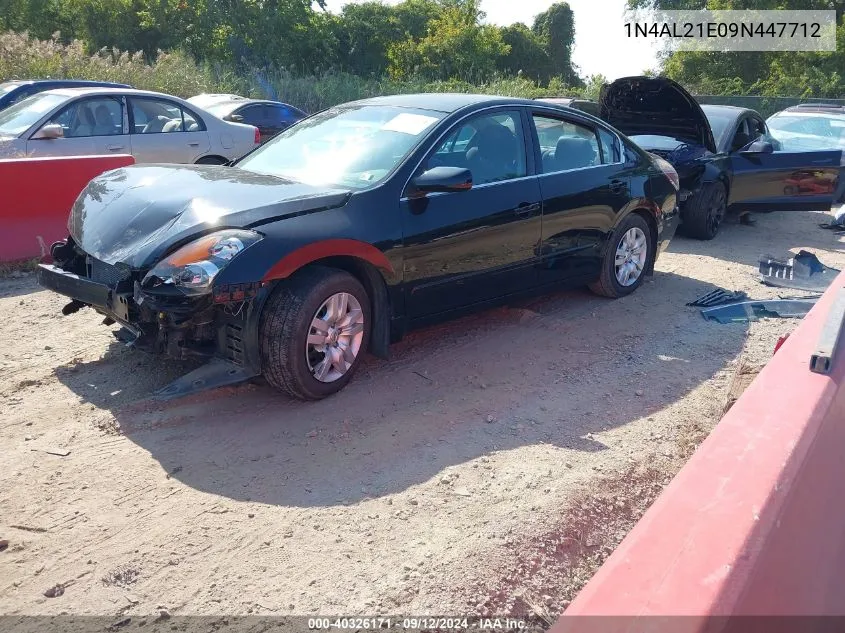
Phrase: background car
x=13 y=91
x=809 y=126
x=374 y=217
x=725 y=156
x=585 y=105
x=270 y=117
x=207 y=98
x=153 y=127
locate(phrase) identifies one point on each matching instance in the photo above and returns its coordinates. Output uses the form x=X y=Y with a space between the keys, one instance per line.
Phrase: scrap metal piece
x=215 y=373
x=804 y=271
x=821 y=360
x=744 y=311
x=718 y=297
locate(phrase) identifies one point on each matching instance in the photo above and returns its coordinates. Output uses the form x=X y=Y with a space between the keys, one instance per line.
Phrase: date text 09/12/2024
x=418 y=624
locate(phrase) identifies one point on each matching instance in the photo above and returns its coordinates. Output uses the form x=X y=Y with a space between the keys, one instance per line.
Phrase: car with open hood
x=725 y=156
x=356 y=224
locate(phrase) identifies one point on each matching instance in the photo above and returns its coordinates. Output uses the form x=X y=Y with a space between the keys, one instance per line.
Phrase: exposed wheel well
x=376 y=288
x=213 y=159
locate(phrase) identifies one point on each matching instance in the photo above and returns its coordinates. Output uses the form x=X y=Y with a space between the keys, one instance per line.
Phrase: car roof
x=814 y=108
x=442 y=102
x=98 y=90
x=727 y=109
x=67 y=82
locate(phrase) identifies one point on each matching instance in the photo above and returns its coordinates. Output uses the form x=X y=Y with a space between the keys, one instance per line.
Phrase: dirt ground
x=488 y=467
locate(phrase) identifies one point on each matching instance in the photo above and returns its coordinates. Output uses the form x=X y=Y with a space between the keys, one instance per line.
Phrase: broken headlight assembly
x=193 y=267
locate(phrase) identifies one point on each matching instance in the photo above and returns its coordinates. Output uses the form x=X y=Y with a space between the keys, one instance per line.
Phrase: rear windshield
x=7 y=87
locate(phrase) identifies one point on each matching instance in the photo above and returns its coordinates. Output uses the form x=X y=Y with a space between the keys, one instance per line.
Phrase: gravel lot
x=487 y=468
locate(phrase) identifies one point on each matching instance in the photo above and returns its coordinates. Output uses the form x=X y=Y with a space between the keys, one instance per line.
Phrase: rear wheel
x=704 y=212
x=314 y=331
x=627 y=257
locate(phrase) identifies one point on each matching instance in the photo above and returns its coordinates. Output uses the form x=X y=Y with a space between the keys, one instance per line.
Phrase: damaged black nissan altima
x=725 y=156
x=355 y=225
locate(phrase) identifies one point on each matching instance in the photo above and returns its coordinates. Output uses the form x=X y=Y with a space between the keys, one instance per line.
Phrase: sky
x=600 y=43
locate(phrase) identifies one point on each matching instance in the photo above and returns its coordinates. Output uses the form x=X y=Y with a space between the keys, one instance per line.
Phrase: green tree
x=527 y=55
x=556 y=29
x=457 y=46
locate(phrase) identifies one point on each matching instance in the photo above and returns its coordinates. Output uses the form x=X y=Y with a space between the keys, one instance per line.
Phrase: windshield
x=355 y=146
x=808 y=132
x=223 y=108
x=17 y=119
x=652 y=141
x=719 y=123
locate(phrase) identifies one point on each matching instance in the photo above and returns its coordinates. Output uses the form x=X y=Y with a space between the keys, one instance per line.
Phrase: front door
x=463 y=248
x=91 y=126
x=780 y=180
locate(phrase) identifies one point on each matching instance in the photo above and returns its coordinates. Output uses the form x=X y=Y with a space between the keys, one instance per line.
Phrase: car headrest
x=573 y=152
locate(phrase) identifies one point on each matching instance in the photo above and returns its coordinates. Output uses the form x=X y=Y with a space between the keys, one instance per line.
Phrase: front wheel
x=627 y=258
x=313 y=332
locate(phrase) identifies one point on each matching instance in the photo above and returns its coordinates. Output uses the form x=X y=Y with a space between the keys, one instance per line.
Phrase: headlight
x=194 y=266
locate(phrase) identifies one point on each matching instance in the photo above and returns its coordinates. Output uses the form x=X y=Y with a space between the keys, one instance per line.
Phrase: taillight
x=666 y=167
x=257 y=136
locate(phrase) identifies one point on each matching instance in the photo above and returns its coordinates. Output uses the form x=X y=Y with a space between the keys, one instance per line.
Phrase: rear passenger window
x=154 y=116
x=565 y=145
x=610 y=151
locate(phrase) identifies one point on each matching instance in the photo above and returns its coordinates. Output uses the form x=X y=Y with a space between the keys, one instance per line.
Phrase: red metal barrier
x=754 y=524
x=36 y=195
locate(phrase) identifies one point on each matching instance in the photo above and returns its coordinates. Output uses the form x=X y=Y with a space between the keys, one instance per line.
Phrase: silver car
x=153 y=127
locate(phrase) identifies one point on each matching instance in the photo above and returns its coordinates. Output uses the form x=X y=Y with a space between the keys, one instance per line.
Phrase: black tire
x=703 y=213
x=212 y=160
x=286 y=322
x=607 y=284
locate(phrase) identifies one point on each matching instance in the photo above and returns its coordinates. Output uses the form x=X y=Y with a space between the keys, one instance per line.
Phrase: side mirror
x=235 y=118
x=760 y=146
x=442 y=179
x=49 y=132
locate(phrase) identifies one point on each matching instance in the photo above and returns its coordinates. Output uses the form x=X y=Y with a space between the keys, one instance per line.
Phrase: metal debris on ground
x=821 y=361
x=804 y=271
x=718 y=297
x=838 y=221
x=745 y=311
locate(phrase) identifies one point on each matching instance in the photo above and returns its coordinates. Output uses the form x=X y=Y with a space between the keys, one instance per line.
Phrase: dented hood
x=135 y=215
x=658 y=106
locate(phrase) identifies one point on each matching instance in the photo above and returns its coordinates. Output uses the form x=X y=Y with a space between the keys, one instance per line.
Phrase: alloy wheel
x=334 y=337
x=631 y=256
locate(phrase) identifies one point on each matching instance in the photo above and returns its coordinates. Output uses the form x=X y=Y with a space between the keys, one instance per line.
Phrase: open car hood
x=658 y=106
x=135 y=215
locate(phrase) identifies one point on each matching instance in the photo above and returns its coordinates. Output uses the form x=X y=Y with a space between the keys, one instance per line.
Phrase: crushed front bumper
x=85 y=291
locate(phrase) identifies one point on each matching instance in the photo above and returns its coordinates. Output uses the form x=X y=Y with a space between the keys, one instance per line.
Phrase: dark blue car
x=14 y=91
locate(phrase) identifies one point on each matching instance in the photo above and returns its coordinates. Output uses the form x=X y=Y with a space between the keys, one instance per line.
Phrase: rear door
x=162 y=131
x=463 y=248
x=780 y=180
x=585 y=185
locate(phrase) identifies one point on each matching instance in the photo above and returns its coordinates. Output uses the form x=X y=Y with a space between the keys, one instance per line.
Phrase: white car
x=208 y=98
x=153 y=127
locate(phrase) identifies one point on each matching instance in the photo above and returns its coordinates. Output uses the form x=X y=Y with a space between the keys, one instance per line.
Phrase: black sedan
x=725 y=156
x=270 y=117
x=357 y=224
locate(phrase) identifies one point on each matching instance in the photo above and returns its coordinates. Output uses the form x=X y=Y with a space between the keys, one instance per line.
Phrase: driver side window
x=742 y=136
x=91 y=117
x=491 y=146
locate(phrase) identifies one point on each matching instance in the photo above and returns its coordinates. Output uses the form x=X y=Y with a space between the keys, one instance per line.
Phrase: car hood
x=658 y=106
x=135 y=215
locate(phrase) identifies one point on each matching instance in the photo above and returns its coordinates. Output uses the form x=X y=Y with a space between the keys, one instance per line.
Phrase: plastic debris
x=804 y=271
x=718 y=297
x=745 y=311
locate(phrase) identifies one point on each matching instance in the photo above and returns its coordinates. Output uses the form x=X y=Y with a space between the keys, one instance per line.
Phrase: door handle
x=527 y=208
x=194 y=144
x=114 y=148
x=618 y=186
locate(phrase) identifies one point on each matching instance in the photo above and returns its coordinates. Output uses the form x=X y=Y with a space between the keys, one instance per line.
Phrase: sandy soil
x=488 y=467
